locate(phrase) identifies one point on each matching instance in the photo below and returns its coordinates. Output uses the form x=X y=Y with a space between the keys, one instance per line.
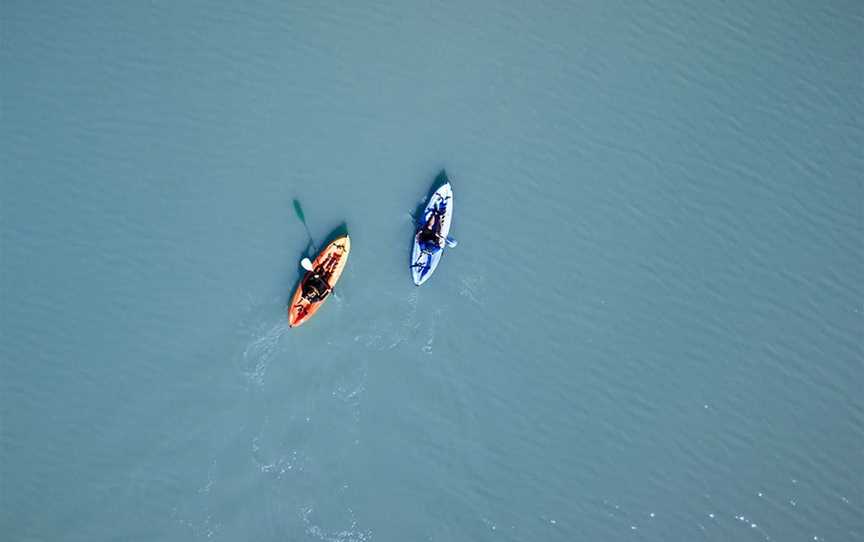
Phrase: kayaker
x=428 y=237
x=316 y=287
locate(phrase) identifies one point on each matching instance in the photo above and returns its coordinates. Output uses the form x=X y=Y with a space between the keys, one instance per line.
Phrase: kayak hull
x=332 y=259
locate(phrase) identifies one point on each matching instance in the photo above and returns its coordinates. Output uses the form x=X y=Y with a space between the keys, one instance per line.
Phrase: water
x=650 y=330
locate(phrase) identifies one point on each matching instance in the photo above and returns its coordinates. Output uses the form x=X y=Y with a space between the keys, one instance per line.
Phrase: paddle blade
x=299 y=210
x=306 y=264
x=452 y=242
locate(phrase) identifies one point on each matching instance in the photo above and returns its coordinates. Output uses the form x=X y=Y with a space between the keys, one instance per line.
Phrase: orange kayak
x=329 y=263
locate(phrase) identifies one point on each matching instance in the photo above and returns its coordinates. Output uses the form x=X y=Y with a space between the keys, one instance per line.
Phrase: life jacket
x=428 y=236
x=428 y=239
x=315 y=288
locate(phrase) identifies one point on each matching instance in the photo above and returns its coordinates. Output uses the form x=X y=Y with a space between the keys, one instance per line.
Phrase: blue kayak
x=430 y=238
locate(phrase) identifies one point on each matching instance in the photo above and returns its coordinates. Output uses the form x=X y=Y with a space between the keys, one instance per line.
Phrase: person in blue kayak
x=429 y=237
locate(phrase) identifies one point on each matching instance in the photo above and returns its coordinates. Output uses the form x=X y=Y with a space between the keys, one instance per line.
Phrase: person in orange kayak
x=316 y=288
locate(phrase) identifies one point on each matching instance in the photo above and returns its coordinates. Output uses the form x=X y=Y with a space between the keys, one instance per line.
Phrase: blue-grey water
x=651 y=329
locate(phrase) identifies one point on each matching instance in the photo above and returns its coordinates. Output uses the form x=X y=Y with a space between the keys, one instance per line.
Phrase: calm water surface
x=651 y=328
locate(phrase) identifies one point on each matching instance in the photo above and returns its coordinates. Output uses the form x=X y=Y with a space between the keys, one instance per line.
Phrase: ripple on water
x=351 y=534
x=262 y=330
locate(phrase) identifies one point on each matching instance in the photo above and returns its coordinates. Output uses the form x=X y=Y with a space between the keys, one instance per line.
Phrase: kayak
x=425 y=260
x=329 y=263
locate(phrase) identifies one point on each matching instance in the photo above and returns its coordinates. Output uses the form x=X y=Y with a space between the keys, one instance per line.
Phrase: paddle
x=299 y=211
